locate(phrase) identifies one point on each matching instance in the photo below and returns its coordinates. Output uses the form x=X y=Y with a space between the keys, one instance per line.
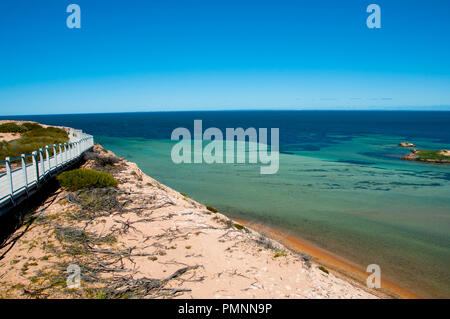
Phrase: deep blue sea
x=321 y=127
x=341 y=183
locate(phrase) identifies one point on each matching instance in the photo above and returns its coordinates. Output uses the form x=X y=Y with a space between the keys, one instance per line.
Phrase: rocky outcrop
x=406 y=144
x=410 y=157
x=445 y=153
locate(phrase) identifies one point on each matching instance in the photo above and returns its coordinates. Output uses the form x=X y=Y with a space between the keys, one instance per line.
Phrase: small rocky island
x=440 y=156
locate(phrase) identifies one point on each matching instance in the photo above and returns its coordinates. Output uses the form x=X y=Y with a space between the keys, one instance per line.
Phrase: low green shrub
x=239 y=227
x=212 y=209
x=109 y=160
x=324 y=269
x=280 y=253
x=33 y=137
x=101 y=294
x=85 y=178
x=12 y=128
x=104 y=163
x=432 y=155
x=31 y=126
x=54 y=132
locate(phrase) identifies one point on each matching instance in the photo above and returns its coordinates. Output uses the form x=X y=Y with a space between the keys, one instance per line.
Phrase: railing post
x=9 y=177
x=36 y=167
x=64 y=153
x=47 y=153
x=24 y=168
x=55 y=155
x=63 y=149
x=41 y=157
x=61 y=161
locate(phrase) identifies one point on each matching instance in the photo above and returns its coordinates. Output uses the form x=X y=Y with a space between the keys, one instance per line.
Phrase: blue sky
x=222 y=54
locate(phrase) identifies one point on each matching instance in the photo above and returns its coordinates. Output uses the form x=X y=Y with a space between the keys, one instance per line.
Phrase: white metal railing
x=29 y=175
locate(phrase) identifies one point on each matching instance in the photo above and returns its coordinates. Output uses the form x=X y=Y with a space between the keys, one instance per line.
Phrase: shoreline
x=342 y=267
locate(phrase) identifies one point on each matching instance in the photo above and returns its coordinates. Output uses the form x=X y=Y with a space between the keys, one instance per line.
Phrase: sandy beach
x=144 y=236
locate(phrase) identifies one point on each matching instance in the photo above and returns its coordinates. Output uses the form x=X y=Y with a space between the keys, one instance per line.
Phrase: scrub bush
x=85 y=178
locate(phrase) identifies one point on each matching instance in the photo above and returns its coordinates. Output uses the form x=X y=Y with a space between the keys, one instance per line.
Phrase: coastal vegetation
x=324 y=269
x=212 y=209
x=103 y=163
x=12 y=128
x=429 y=156
x=85 y=178
x=240 y=227
x=436 y=155
x=32 y=137
x=280 y=253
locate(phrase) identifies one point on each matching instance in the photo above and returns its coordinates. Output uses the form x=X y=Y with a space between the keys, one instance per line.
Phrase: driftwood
x=145 y=287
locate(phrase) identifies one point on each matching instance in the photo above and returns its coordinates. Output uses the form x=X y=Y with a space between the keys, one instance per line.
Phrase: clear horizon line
x=440 y=108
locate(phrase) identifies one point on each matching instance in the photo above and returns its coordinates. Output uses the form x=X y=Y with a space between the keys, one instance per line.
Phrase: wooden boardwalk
x=22 y=176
